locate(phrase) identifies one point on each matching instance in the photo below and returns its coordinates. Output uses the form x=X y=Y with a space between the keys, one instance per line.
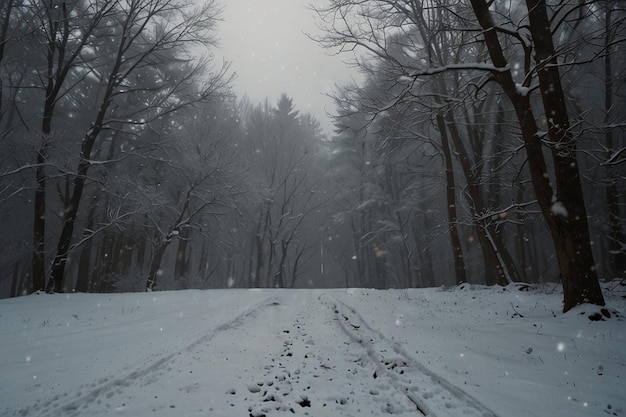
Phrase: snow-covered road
x=251 y=353
x=334 y=363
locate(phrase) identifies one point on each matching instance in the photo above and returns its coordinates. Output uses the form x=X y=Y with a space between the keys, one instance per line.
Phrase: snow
x=522 y=90
x=473 y=66
x=463 y=351
x=558 y=209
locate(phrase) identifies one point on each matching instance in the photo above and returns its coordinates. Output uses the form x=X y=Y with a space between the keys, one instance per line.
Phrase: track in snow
x=74 y=404
x=431 y=394
x=298 y=355
x=334 y=364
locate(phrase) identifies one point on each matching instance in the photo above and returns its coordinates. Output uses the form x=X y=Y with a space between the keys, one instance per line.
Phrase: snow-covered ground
x=466 y=351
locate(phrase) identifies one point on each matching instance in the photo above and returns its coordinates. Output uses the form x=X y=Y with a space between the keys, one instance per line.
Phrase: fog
x=268 y=45
x=128 y=166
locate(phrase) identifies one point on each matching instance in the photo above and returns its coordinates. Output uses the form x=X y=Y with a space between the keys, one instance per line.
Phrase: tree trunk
x=521 y=237
x=425 y=275
x=258 y=241
x=39 y=222
x=4 y=27
x=63 y=246
x=250 y=280
x=457 y=249
x=617 y=254
x=39 y=218
x=117 y=254
x=84 y=261
x=569 y=229
x=499 y=265
x=181 y=266
x=55 y=284
x=564 y=211
x=259 y=261
x=280 y=272
x=141 y=249
x=155 y=264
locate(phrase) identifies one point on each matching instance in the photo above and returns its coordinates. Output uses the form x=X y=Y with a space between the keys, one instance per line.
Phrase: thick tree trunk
x=57 y=275
x=55 y=284
x=564 y=211
x=53 y=85
x=117 y=254
x=58 y=265
x=84 y=163
x=457 y=249
x=39 y=221
x=569 y=229
x=358 y=271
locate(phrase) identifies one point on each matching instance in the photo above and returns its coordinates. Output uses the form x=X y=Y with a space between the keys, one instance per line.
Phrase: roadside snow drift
x=465 y=351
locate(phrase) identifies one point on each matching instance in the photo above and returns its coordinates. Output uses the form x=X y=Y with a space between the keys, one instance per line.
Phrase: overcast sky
x=267 y=44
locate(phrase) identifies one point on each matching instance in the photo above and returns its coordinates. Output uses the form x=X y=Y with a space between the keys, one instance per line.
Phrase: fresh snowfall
x=463 y=351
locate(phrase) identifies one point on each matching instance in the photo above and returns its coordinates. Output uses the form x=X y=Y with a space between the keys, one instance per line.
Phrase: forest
x=485 y=144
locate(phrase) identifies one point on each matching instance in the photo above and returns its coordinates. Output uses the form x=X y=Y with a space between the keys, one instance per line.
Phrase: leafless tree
x=509 y=34
x=146 y=32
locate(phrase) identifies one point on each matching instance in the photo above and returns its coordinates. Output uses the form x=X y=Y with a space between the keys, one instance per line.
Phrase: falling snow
x=558 y=209
x=465 y=351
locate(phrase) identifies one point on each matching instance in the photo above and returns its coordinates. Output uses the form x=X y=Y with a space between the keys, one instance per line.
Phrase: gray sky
x=266 y=42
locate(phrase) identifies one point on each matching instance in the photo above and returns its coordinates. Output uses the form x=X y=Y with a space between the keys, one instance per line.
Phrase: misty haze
x=260 y=208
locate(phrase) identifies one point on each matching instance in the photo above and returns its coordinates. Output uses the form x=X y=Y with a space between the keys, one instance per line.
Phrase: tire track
x=431 y=394
x=106 y=387
x=320 y=372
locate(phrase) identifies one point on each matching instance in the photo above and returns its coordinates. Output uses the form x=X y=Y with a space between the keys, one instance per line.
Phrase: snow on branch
x=502 y=213
x=457 y=67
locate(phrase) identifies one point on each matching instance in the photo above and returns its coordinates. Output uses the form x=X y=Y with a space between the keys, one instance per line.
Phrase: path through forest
x=292 y=354
x=467 y=351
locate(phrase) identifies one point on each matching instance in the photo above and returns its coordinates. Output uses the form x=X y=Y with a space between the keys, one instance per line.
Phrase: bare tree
x=284 y=147
x=145 y=33
x=64 y=29
x=562 y=206
x=201 y=181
